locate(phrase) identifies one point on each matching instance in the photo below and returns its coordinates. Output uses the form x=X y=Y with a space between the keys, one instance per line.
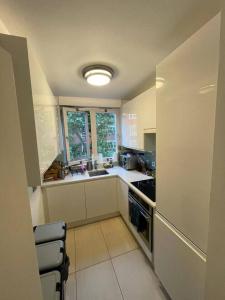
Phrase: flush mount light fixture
x=98 y=75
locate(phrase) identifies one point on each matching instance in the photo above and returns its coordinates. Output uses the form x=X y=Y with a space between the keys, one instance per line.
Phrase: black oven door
x=145 y=228
x=142 y=220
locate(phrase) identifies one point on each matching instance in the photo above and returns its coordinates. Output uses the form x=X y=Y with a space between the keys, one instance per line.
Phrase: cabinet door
x=101 y=197
x=138 y=114
x=129 y=124
x=145 y=108
x=185 y=132
x=179 y=266
x=66 y=202
x=148 y=109
x=123 y=199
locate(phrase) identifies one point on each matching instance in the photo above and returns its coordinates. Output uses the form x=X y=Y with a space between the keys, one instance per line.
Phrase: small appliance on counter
x=128 y=161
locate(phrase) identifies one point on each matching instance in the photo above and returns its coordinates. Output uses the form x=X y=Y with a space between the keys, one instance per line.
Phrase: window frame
x=65 y=133
x=92 y=112
x=116 y=119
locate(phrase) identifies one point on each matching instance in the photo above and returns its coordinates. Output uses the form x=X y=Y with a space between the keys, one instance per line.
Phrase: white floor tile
x=90 y=247
x=98 y=283
x=136 y=278
x=70 y=249
x=117 y=237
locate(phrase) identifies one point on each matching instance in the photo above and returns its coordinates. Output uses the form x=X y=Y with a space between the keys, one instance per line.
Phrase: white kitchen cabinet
x=17 y=47
x=66 y=202
x=179 y=266
x=185 y=132
x=138 y=117
x=123 y=199
x=147 y=109
x=129 y=125
x=101 y=197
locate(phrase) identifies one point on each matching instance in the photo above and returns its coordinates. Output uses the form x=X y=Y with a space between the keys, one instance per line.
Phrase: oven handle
x=145 y=215
x=147 y=218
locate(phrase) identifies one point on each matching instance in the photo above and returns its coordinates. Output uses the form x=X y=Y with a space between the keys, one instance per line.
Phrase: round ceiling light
x=98 y=75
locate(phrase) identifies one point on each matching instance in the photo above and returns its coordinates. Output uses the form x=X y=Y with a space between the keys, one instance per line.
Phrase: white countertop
x=126 y=176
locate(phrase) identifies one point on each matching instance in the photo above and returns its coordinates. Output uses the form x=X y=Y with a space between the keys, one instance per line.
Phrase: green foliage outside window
x=106 y=133
x=78 y=134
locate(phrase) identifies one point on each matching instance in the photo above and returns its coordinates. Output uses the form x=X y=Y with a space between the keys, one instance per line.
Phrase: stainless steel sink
x=97 y=173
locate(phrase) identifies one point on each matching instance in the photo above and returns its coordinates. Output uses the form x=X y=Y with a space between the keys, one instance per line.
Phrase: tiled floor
x=107 y=264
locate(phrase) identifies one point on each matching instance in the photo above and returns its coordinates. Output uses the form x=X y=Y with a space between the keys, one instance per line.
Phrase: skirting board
x=92 y=220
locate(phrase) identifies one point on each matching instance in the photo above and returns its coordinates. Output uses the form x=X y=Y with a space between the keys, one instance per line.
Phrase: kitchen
x=136 y=174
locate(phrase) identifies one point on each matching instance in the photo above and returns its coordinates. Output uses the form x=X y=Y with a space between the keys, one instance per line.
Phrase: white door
x=18 y=256
x=101 y=197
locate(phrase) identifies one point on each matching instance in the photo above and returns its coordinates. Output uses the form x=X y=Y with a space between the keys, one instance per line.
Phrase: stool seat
x=50 y=232
x=51 y=286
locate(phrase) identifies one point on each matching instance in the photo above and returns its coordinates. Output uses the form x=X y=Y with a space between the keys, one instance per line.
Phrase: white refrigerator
x=185 y=114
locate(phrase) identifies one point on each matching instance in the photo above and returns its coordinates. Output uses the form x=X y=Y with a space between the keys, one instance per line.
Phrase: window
x=77 y=129
x=106 y=134
x=89 y=132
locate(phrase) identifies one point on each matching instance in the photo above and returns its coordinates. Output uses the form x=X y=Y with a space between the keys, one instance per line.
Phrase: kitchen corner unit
x=89 y=199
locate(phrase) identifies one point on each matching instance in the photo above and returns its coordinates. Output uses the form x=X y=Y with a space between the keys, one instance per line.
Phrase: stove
x=147 y=187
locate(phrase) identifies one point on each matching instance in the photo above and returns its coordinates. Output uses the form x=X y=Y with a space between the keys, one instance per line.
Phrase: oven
x=141 y=216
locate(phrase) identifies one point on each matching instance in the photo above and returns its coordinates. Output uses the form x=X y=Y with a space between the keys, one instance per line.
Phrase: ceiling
x=130 y=36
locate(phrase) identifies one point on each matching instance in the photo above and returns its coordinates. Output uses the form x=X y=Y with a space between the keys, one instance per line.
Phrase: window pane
x=106 y=133
x=78 y=135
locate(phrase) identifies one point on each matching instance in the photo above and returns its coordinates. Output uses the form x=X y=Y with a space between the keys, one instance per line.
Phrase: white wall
x=45 y=107
x=90 y=102
x=215 y=278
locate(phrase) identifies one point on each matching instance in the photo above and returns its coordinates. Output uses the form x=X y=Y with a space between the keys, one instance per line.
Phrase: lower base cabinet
x=80 y=201
x=66 y=202
x=101 y=197
x=179 y=266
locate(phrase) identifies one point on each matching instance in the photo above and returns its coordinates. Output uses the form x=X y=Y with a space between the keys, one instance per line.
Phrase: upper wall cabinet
x=17 y=47
x=46 y=115
x=137 y=117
